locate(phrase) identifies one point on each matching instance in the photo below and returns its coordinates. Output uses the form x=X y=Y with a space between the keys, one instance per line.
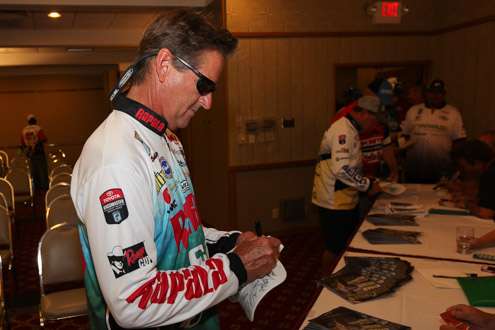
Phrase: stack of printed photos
x=342 y=318
x=391 y=236
x=382 y=219
x=365 y=278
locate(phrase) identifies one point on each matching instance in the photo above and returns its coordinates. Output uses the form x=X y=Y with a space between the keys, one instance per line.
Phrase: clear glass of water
x=464 y=238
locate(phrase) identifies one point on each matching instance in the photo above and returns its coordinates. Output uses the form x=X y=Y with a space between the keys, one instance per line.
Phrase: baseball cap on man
x=30 y=116
x=370 y=103
x=437 y=86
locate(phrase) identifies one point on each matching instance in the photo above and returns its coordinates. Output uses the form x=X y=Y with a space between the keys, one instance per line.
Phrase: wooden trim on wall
x=354 y=34
x=271 y=166
x=381 y=64
x=329 y=34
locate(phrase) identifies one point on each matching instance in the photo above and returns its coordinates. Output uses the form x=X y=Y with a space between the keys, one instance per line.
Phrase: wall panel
x=464 y=59
x=294 y=78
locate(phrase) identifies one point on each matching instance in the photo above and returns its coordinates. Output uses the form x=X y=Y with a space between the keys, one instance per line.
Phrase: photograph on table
x=391 y=236
x=365 y=278
x=344 y=318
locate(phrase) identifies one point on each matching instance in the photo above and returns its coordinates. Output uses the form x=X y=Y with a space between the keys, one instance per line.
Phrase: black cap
x=437 y=86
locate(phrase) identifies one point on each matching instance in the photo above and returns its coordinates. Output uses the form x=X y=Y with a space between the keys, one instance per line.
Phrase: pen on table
x=455 y=277
x=258 y=229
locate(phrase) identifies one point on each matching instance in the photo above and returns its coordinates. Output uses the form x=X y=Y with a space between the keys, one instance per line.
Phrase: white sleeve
x=341 y=144
x=407 y=124
x=457 y=128
x=141 y=296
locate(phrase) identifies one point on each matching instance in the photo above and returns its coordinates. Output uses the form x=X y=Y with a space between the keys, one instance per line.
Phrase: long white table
x=417 y=304
x=438 y=238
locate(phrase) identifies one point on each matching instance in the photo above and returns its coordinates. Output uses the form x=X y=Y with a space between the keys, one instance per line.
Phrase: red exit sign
x=390 y=9
x=387 y=12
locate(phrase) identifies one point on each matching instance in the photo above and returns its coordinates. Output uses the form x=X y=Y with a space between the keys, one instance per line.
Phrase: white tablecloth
x=417 y=304
x=438 y=238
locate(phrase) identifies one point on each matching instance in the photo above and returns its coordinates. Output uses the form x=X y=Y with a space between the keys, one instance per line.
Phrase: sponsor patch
x=114 y=207
x=124 y=261
x=166 y=168
x=342 y=139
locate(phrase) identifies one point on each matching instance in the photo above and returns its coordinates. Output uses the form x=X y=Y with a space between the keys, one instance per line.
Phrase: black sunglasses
x=204 y=85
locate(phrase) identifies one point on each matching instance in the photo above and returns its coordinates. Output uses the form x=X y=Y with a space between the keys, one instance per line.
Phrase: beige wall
x=68 y=106
x=295 y=78
x=290 y=77
x=464 y=59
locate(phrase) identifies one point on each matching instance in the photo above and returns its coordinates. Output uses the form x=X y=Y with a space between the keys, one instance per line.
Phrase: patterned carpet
x=283 y=308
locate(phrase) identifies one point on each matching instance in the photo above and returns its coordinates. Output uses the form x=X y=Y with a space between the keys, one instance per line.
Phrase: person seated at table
x=475 y=161
x=489 y=138
x=473 y=317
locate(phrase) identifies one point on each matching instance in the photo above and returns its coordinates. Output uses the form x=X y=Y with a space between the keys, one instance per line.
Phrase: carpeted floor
x=283 y=308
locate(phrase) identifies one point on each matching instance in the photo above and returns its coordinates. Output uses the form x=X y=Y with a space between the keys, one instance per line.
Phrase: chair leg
x=42 y=320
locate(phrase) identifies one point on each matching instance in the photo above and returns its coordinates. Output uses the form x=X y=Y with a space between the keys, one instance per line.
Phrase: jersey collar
x=141 y=113
x=354 y=122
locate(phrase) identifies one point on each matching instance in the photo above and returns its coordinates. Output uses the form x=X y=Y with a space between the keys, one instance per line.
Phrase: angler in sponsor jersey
x=433 y=127
x=339 y=178
x=149 y=261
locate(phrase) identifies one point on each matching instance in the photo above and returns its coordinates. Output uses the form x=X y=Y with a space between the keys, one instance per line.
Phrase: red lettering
x=219 y=277
x=132 y=257
x=176 y=285
x=144 y=292
x=150 y=119
x=191 y=211
x=203 y=276
x=161 y=289
x=193 y=280
x=193 y=287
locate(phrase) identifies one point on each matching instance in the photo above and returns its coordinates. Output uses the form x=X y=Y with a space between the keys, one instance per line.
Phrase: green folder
x=479 y=291
x=448 y=212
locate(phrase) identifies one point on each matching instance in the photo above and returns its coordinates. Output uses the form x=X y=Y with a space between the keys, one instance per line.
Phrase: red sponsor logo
x=185 y=222
x=148 y=118
x=111 y=195
x=193 y=282
x=133 y=257
x=166 y=196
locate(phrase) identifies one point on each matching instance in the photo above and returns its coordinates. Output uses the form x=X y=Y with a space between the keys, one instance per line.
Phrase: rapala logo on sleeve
x=124 y=261
x=114 y=207
x=192 y=282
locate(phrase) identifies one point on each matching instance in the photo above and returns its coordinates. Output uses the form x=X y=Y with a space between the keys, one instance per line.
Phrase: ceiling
x=89 y=31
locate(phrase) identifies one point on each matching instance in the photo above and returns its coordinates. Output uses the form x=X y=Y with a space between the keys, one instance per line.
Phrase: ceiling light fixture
x=54 y=14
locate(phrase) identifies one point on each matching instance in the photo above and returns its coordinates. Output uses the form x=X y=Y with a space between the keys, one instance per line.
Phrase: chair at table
x=61 y=177
x=59 y=266
x=62 y=168
x=21 y=162
x=61 y=210
x=4 y=324
x=5 y=162
x=59 y=189
x=6 y=241
x=7 y=190
x=23 y=185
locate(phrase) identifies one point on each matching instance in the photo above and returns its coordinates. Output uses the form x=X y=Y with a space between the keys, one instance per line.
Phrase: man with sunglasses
x=149 y=261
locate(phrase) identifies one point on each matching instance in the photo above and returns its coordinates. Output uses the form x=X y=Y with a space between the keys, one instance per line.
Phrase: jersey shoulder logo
x=124 y=261
x=114 y=206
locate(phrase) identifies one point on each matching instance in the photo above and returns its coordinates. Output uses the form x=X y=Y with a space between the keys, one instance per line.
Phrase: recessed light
x=54 y=14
